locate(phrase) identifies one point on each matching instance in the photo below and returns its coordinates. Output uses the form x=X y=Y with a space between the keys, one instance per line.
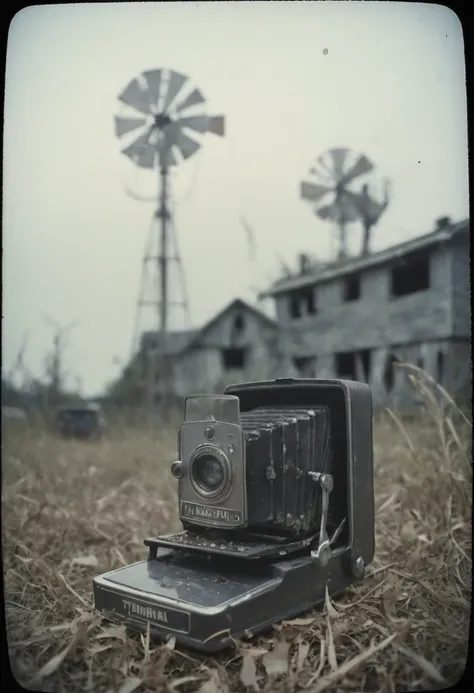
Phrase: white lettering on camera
x=206 y=513
x=148 y=612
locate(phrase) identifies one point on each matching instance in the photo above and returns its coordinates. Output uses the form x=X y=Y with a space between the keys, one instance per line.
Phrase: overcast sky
x=293 y=80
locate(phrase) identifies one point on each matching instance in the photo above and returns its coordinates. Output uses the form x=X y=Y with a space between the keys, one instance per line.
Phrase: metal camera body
x=277 y=503
x=256 y=470
x=211 y=440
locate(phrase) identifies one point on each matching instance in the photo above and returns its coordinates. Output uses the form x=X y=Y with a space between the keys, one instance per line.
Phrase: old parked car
x=83 y=421
x=13 y=414
x=14 y=418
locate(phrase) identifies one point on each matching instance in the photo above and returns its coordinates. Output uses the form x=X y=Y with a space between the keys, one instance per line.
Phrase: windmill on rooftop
x=161 y=124
x=344 y=188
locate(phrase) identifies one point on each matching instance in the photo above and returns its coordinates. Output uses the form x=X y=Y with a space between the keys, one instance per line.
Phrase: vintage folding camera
x=277 y=503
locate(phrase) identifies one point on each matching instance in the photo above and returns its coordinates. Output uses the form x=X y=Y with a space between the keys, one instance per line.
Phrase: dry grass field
x=72 y=510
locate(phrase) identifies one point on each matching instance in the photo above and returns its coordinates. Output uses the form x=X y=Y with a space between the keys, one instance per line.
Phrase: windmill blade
x=141 y=152
x=324 y=170
x=138 y=144
x=338 y=212
x=326 y=213
x=322 y=175
x=362 y=165
x=186 y=145
x=171 y=133
x=338 y=157
x=171 y=159
x=175 y=82
x=198 y=123
x=147 y=158
x=217 y=125
x=166 y=154
x=348 y=207
x=193 y=99
x=314 y=192
x=133 y=95
x=124 y=125
x=153 y=79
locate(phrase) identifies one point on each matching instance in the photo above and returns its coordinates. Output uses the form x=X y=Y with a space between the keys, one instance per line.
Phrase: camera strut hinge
x=323 y=553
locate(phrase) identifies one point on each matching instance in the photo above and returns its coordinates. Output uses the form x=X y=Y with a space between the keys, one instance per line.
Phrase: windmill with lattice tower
x=161 y=123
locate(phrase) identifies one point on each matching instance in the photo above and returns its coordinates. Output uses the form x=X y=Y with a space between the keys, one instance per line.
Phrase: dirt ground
x=73 y=510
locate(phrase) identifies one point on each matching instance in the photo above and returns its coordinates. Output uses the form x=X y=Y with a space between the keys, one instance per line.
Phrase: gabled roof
x=360 y=264
x=240 y=305
x=176 y=341
x=179 y=341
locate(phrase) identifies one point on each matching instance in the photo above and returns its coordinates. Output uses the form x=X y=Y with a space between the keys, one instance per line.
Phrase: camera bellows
x=282 y=447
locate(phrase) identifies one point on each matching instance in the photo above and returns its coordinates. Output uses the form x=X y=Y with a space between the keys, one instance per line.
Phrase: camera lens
x=208 y=472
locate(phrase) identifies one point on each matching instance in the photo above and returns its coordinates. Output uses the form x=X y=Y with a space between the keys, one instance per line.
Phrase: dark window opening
x=233 y=359
x=411 y=276
x=302 y=302
x=365 y=357
x=295 y=307
x=305 y=365
x=389 y=372
x=351 y=288
x=440 y=367
x=420 y=363
x=309 y=302
x=347 y=364
x=239 y=322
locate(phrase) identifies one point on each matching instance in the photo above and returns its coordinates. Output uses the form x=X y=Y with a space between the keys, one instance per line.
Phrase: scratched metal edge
x=102 y=582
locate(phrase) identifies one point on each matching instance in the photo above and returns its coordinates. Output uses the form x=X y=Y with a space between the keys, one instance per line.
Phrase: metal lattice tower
x=162 y=292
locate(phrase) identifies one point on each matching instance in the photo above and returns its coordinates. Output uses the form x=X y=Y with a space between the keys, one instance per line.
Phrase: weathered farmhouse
x=409 y=303
x=239 y=342
x=353 y=319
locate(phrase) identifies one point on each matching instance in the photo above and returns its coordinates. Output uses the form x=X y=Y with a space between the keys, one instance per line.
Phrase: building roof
x=236 y=303
x=176 y=341
x=360 y=264
x=179 y=341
